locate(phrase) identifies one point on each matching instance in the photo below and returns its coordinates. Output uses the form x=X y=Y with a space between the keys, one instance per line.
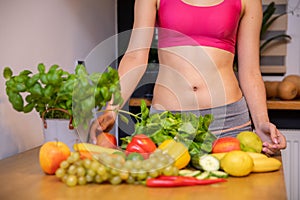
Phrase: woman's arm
x=250 y=78
x=135 y=59
x=248 y=61
x=134 y=62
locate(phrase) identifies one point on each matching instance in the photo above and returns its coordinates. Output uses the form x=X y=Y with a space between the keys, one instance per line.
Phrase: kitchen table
x=22 y=178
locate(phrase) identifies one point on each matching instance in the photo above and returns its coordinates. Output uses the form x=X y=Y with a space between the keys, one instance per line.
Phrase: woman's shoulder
x=147 y=2
x=248 y=4
x=251 y=7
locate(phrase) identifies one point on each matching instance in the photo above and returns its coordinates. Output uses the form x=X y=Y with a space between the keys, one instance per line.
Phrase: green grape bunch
x=77 y=93
x=113 y=169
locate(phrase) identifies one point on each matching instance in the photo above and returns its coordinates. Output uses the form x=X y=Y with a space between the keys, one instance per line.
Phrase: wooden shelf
x=271 y=104
x=137 y=101
x=283 y=105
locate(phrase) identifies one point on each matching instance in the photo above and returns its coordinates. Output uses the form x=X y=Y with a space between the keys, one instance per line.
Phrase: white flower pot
x=61 y=130
x=58 y=130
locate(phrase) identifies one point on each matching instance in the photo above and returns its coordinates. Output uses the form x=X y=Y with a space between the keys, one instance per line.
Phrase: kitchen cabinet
x=22 y=178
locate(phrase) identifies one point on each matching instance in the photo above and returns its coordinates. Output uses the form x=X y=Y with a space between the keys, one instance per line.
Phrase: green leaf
x=159 y=136
x=16 y=101
x=80 y=70
x=25 y=72
x=188 y=128
x=28 y=108
x=276 y=37
x=268 y=23
x=53 y=68
x=41 y=68
x=7 y=73
x=207 y=121
x=124 y=118
x=95 y=77
x=268 y=12
x=31 y=81
x=206 y=147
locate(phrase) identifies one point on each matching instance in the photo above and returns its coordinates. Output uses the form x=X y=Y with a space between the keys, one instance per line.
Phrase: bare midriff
x=195 y=77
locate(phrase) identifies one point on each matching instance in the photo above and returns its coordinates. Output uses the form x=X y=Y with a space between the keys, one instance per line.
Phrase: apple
x=226 y=144
x=51 y=154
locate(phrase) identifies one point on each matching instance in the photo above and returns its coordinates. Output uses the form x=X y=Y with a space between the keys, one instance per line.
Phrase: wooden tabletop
x=22 y=178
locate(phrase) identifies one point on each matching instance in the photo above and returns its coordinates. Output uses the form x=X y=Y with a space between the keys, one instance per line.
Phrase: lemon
x=250 y=141
x=237 y=163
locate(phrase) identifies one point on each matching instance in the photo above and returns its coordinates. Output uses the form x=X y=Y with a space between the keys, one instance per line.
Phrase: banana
x=262 y=163
x=266 y=164
x=257 y=155
x=219 y=156
x=84 y=146
x=253 y=155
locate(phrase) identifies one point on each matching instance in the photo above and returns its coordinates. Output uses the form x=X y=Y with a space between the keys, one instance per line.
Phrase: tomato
x=106 y=139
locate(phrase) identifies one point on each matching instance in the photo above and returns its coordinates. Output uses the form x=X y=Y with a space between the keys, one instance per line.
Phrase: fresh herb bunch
x=78 y=93
x=184 y=127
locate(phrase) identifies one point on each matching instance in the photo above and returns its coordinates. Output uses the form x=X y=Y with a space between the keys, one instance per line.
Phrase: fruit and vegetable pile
x=166 y=150
x=287 y=89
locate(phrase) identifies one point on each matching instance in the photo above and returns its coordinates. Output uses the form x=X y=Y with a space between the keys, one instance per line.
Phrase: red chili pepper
x=176 y=181
x=141 y=143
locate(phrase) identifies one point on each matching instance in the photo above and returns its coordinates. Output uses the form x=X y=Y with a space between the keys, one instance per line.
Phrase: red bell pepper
x=142 y=144
x=177 y=181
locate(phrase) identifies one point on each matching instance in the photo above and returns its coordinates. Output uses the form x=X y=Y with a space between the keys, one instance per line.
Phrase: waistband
x=229 y=119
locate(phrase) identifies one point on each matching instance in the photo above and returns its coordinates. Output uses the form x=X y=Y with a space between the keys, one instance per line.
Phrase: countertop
x=22 y=178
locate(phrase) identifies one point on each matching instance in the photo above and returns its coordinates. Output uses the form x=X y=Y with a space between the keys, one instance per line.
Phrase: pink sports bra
x=182 y=24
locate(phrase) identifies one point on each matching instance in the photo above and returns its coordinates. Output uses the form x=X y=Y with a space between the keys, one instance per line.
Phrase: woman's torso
x=195 y=76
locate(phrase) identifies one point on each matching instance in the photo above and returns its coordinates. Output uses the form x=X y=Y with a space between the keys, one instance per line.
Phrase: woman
x=197 y=41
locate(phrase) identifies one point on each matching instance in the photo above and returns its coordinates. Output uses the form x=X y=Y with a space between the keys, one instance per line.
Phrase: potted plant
x=268 y=20
x=62 y=96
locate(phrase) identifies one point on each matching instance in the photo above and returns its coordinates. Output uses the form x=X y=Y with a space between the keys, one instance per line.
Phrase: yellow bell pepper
x=178 y=151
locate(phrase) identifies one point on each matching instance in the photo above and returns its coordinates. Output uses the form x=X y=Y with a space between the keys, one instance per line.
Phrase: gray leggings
x=229 y=120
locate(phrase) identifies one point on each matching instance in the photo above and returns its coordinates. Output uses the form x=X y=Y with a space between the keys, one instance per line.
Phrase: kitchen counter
x=22 y=178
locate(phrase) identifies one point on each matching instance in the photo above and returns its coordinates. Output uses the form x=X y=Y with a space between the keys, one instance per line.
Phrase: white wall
x=49 y=31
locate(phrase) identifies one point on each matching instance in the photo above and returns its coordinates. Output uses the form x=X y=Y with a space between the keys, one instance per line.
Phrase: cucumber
x=212 y=177
x=195 y=161
x=203 y=175
x=219 y=174
x=188 y=172
x=206 y=162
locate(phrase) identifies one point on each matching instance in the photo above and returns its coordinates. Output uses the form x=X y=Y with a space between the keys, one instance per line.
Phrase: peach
x=51 y=154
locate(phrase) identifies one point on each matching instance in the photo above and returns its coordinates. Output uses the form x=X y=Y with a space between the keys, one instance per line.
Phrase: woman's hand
x=273 y=140
x=103 y=123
